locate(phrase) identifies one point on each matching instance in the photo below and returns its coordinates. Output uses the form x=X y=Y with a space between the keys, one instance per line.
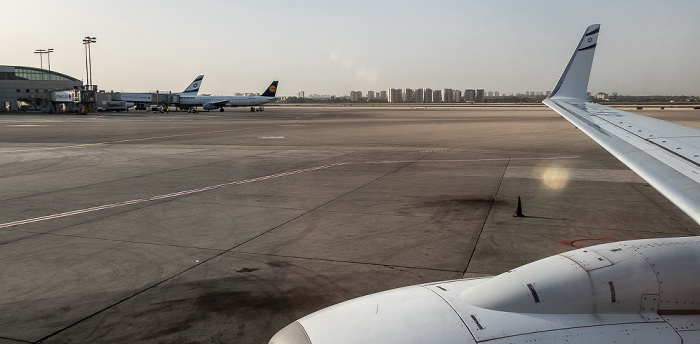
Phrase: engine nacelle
x=209 y=107
x=643 y=291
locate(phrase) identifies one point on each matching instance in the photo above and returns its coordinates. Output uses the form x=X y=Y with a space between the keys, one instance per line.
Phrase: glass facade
x=34 y=75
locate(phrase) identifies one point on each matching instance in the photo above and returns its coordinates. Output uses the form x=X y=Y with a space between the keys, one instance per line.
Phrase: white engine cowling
x=642 y=291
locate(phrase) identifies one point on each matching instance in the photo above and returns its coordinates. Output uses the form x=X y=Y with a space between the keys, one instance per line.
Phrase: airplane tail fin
x=574 y=81
x=193 y=88
x=271 y=90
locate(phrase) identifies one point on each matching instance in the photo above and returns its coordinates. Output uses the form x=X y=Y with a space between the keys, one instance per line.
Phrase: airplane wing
x=216 y=104
x=665 y=154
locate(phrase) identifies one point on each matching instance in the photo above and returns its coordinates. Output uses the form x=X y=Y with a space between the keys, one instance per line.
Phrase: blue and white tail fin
x=271 y=90
x=193 y=88
x=574 y=81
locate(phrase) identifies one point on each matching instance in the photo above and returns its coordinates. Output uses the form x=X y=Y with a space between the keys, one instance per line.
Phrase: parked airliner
x=640 y=291
x=191 y=102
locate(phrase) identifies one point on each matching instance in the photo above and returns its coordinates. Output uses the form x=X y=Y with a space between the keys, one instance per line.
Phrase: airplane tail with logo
x=193 y=88
x=271 y=90
x=574 y=81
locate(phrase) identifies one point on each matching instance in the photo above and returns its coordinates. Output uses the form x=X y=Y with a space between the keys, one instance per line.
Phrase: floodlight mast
x=41 y=53
x=88 y=57
x=48 y=56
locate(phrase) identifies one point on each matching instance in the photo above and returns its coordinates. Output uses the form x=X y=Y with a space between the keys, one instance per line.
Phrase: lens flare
x=555 y=177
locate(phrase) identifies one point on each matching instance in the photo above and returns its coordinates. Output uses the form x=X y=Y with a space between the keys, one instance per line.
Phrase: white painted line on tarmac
x=246 y=181
x=159 y=197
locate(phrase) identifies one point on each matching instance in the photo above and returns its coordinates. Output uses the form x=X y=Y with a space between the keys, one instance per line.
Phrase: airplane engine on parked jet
x=209 y=107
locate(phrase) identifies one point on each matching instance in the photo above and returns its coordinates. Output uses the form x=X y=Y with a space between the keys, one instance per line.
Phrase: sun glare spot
x=555 y=177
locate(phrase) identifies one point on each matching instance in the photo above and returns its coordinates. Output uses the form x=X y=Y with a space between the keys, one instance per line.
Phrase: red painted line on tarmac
x=219 y=186
x=572 y=243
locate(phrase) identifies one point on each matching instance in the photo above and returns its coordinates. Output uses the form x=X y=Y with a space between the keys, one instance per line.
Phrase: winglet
x=574 y=81
x=193 y=88
x=271 y=90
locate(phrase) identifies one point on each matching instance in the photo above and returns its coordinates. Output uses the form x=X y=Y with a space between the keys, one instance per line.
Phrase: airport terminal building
x=32 y=86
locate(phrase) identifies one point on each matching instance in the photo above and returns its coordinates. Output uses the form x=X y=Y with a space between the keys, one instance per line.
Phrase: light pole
x=41 y=53
x=48 y=56
x=87 y=74
x=88 y=57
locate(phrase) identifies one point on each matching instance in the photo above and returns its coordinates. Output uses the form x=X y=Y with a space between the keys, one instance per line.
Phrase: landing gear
x=254 y=109
x=221 y=109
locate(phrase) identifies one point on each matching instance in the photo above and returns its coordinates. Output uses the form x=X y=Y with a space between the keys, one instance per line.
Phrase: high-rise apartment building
x=427 y=95
x=408 y=95
x=383 y=96
x=447 y=95
x=355 y=96
x=300 y=94
x=479 y=95
x=395 y=95
x=457 y=96
x=418 y=96
x=469 y=95
x=437 y=96
x=370 y=94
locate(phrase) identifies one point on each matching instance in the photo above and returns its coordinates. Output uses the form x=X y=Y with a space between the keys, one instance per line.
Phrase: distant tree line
x=648 y=99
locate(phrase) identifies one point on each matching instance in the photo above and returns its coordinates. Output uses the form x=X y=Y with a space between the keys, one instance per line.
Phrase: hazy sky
x=333 y=47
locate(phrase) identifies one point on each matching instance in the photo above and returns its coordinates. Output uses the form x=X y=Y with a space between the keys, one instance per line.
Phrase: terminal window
x=37 y=75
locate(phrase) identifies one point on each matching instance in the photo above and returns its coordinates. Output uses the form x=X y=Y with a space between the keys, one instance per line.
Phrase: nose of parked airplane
x=406 y=315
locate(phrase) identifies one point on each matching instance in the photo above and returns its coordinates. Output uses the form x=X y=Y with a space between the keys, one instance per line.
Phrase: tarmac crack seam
x=246 y=181
x=503 y=176
x=389 y=266
x=15 y=340
x=406 y=164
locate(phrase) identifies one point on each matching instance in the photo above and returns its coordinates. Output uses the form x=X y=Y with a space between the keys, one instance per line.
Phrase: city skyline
x=314 y=46
x=372 y=93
